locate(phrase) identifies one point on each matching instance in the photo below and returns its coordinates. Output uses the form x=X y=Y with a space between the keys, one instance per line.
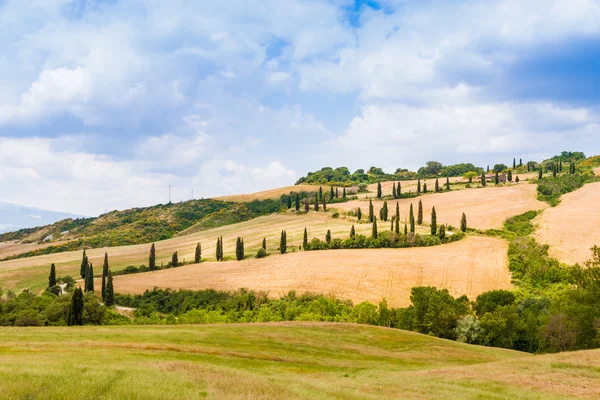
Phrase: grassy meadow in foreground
x=284 y=360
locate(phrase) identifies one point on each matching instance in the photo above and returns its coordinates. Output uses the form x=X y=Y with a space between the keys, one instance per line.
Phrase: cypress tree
x=89 y=279
x=520 y=162
x=560 y=166
x=437 y=185
x=305 y=239
x=198 y=254
x=174 y=260
x=405 y=229
x=152 y=258
x=374 y=232
x=289 y=202
x=418 y=185
x=359 y=214
x=75 y=314
x=463 y=223
x=397 y=218
x=514 y=163
x=331 y=193
x=239 y=249
x=554 y=168
x=321 y=192
x=509 y=175
x=394 y=190
x=442 y=233
x=412 y=219
x=371 y=212
x=540 y=173
x=488 y=168
x=297 y=202
x=399 y=190
x=84 y=265
x=109 y=298
x=517 y=179
x=392 y=223
x=447 y=183
x=384 y=211
x=306 y=205
x=352 y=232
x=344 y=192
x=316 y=204
x=264 y=244
x=283 y=242
x=496 y=179
x=483 y=180
x=379 y=194
x=52 y=276
x=218 y=251
x=433 y=221
x=104 y=275
x=529 y=166
x=324 y=205
x=420 y=213
x=328 y=236
x=424 y=187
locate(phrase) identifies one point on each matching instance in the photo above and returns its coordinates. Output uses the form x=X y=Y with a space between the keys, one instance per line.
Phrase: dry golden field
x=471 y=266
x=572 y=227
x=485 y=207
x=269 y=194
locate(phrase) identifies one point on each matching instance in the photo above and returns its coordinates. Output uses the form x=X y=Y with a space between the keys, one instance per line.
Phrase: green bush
x=262 y=253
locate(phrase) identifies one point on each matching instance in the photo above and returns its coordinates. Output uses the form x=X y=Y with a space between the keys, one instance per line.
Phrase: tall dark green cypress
x=420 y=213
x=222 y=249
x=418 y=185
x=344 y=193
x=399 y=190
x=437 y=185
x=540 y=173
x=239 y=249
x=52 y=276
x=152 y=258
x=442 y=233
x=328 y=236
x=463 y=223
x=337 y=192
x=175 y=260
x=283 y=242
x=109 y=298
x=483 y=180
x=264 y=244
x=316 y=204
x=509 y=175
x=554 y=169
x=84 y=265
x=379 y=193
x=198 y=253
x=352 y=231
x=320 y=192
x=374 y=231
x=104 y=274
x=306 y=204
x=447 y=183
x=520 y=162
x=89 y=279
x=359 y=214
x=514 y=163
x=560 y=166
x=218 y=251
x=412 y=219
x=394 y=190
x=297 y=202
x=433 y=221
x=289 y=202
x=331 y=193
x=488 y=168
x=371 y=212
x=305 y=239
x=384 y=211
x=397 y=230
x=75 y=313
x=405 y=229
x=324 y=204
x=424 y=187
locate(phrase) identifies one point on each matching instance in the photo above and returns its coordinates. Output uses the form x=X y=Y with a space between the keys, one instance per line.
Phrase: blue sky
x=103 y=104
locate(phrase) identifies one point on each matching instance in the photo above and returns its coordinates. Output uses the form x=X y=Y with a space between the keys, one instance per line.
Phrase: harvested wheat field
x=8 y=249
x=32 y=272
x=471 y=266
x=485 y=207
x=273 y=194
x=572 y=227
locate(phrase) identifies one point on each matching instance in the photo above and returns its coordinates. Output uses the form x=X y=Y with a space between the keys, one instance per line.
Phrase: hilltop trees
x=463 y=223
x=198 y=254
x=109 y=295
x=89 y=279
x=283 y=242
x=104 y=275
x=84 y=265
x=420 y=213
x=239 y=249
x=433 y=221
x=152 y=258
x=174 y=260
x=75 y=314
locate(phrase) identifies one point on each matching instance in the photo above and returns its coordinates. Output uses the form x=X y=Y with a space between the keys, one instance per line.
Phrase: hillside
x=278 y=360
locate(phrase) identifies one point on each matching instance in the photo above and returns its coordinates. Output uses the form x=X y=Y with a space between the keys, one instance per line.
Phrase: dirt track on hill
x=470 y=267
x=572 y=227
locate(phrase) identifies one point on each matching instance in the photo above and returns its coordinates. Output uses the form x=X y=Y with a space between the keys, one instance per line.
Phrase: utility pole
x=169 y=194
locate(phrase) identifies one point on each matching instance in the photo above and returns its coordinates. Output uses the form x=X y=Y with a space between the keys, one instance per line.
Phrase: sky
x=105 y=103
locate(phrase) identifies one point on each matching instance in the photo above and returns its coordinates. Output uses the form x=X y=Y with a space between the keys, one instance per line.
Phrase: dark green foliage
x=492 y=300
x=419 y=185
x=397 y=219
x=374 y=230
x=379 y=194
x=483 y=180
x=540 y=173
x=104 y=274
x=75 y=315
x=521 y=225
x=371 y=212
x=89 y=279
x=321 y=192
x=342 y=177
x=305 y=239
x=352 y=232
x=316 y=204
x=509 y=177
x=550 y=190
x=324 y=205
x=219 y=250
x=405 y=229
x=297 y=202
x=331 y=192
x=420 y=213
x=328 y=237
x=488 y=169
x=283 y=242
x=384 y=211
x=175 y=260
x=433 y=222
x=264 y=244
x=568 y=156
x=424 y=187
x=152 y=258
x=306 y=206
x=239 y=249
x=52 y=276
x=289 y=202
x=514 y=163
x=463 y=223
x=399 y=190
x=459 y=169
x=109 y=298
x=412 y=219
x=496 y=178
x=447 y=183
x=500 y=167
x=344 y=193
x=84 y=265
x=359 y=214
x=530 y=263
x=394 y=190
x=442 y=232
x=520 y=162
x=437 y=185
x=198 y=253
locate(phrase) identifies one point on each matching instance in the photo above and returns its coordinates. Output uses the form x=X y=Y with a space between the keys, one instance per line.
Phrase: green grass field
x=275 y=361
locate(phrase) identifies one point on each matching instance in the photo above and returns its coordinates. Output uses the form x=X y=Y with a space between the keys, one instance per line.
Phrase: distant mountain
x=14 y=217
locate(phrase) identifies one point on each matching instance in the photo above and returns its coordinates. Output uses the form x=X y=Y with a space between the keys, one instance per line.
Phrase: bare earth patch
x=470 y=267
x=572 y=227
x=485 y=207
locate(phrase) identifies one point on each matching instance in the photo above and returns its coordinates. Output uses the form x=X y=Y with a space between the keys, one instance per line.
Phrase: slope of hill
x=278 y=360
x=14 y=217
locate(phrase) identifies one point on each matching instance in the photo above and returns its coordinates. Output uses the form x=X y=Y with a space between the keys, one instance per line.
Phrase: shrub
x=262 y=253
